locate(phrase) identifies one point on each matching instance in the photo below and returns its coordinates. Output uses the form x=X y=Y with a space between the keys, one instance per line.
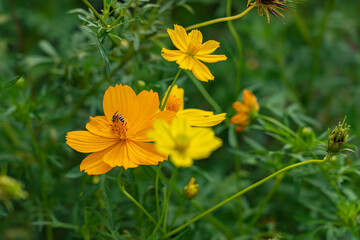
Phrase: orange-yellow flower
x=119 y=138
x=195 y=117
x=192 y=51
x=246 y=111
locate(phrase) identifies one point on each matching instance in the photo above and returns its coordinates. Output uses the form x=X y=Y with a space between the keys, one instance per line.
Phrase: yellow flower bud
x=11 y=188
x=191 y=190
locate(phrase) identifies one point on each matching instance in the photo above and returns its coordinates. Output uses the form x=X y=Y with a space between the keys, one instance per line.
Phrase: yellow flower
x=271 y=7
x=119 y=138
x=195 y=117
x=246 y=111
x=182 y=142
x=192 y=51
x=192 y=189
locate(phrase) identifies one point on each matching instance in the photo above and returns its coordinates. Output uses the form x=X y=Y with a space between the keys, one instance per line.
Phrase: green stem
x=262 y=205
x=95 y=12
x=169 y=91
x=122 y=189
x=122 y=14
x=204 y=92
x=236 y=36
x=172 y=183
x=157 y=189
x=244 y=191
x=217 y=20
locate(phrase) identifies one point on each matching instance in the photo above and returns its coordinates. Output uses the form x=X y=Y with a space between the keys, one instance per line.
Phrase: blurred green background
x=305 y=73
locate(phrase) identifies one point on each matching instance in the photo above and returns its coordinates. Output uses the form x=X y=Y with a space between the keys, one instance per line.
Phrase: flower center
x=193 y=48
x=182 y=142
x=119 y=126
x=173 y=103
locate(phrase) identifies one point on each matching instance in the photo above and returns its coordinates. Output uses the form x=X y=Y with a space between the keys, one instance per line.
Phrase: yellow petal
x=202 y=72
x=171 y=55
x=119 y=157
x=162 y=136
x=120 y=99
x=208 y=47
x=195 y=36
x=94 y=165
x=200 y=118
x=181 y=160
x=100 y=126
x=187 y=62
x=86 y=142
x=203 y=143
x=178 y=37
x=211 y=58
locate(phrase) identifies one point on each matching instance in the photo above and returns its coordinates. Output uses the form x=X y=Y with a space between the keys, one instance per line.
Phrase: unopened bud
x=11 y=188
x=191 y=190
x=338 y=138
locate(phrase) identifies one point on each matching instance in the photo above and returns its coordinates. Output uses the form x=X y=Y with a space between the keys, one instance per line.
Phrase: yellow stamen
x=120 y=128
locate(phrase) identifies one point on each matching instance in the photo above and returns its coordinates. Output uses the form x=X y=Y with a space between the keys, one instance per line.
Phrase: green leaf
x=103 y=55
x=10 y=83
x=48 y=49
x=88 y=192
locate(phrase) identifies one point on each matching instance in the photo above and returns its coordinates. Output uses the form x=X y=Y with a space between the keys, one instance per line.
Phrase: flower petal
x=240 y=107
x=141 y=135
x=178 y=37
x=187 y=62
x=94 y=164
x=180 y=160
x=171 y=55
x=196 y=36
x=211 y=58
x=162 y=135
x=176 y=92
x=119 y=156
x=202 y=72
x=240 y=118
x=100 y=126
x=250 y=100
x=200 y=118
x=208 y=47
x=203 y=143
x=144 y=153
x=120 y=99
x=86 y=142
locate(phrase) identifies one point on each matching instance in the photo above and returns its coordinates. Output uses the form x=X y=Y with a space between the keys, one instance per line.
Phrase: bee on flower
x=246 y=110
x=119 y=139
x=191 y=51
x=272 y=7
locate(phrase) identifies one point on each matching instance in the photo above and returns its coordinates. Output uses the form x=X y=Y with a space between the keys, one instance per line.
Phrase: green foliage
x=57 y=58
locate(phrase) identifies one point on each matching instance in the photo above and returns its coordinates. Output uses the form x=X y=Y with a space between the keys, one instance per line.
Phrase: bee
x=117 y=116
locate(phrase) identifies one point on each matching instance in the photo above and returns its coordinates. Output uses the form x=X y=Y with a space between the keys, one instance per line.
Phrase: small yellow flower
x=271 y=7
x=246 y=111
x=119 y=138
x=195 y=117
x=192 y=51
x=182 y=142
x=191 y=190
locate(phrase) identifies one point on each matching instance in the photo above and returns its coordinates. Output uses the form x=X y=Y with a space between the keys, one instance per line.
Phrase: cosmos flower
x=271 y=7
x=246 y=111
x=182 y=142
x=191 y=51
x=195 y=117
x=119 y=138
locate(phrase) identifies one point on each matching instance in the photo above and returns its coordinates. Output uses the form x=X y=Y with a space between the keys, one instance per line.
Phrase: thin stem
x=236 y=36
x=122 y=189
x=172 y=183
x=122 y=14
x=95 y=12
x=157 y=189
x=169 y=91
x=204 y=92
x=217 y=20
x=244 y=191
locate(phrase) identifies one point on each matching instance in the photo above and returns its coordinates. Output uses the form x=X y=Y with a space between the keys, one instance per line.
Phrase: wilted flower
x=119 y=138
x=338 y=138
x=192 y=189
x=192 y=51
x=195 y=117
x=182 y=142
x=271 y=7
x=246 y=111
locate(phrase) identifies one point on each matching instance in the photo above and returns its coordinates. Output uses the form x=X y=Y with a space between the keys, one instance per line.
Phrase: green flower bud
x=338 y=138
x=11 y=188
